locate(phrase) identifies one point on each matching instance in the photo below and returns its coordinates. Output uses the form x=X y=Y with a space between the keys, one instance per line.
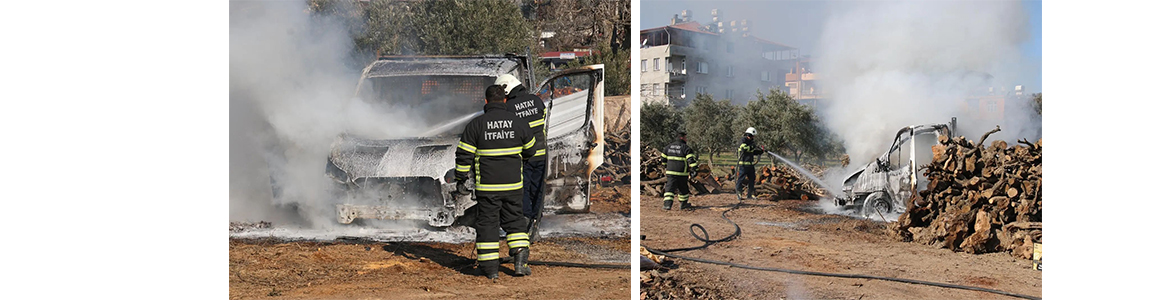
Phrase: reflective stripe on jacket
x=680 y=159
x=494 y=146
x=530 y=109
x=747 y=151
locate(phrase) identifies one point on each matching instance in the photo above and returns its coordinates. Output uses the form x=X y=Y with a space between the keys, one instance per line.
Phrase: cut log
x=978 y=199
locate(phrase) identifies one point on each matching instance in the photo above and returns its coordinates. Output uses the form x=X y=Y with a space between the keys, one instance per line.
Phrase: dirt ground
x=792 y=235
x=269 y=268
x=266 y=269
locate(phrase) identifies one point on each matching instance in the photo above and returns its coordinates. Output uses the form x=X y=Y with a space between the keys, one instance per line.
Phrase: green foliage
x=709 y=125
x=450 y=27
x=659 y=123
x=617 y=68
x=453 y=27
x=434 y=27
x=1036 y=103
x=784 y=126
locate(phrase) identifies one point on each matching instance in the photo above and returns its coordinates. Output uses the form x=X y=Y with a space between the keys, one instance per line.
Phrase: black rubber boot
x=685 y=205
x=520 y=261
x=489 y=268
x=667 y=204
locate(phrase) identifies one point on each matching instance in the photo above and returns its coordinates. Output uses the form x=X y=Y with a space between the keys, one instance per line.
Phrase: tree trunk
x=711 y=157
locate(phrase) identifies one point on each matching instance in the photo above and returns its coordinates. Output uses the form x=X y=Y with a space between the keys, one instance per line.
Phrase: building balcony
x=807 y=95
x=678 y=75
x=800 y=77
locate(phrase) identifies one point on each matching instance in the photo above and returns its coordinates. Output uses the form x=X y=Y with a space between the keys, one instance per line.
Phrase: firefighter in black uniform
x=747 y=164
x=680 y=163
x=493 y=147
x=529 y=109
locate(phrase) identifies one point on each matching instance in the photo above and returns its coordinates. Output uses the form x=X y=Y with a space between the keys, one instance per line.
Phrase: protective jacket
x=680 y=159
x=494 y=146
x=748 y=151
x=530 y=109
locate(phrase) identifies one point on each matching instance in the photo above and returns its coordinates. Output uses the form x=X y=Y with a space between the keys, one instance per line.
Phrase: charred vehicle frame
x=881 y=188
x=413 y=178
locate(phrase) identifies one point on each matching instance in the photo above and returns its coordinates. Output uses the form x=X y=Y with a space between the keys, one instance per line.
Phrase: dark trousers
x=746 y=176
x=534 y=172
x=497 y=211
x=676 y=186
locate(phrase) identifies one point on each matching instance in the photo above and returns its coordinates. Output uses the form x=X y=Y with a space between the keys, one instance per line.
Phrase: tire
x=877 y=205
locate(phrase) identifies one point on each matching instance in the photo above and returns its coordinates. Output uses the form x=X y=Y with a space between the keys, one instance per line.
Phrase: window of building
x=643 y=66
x=729 y=94
x=645 y=90
x=669 y=66
x=702 y=68
x=684 y=65
x=656 y=64
x=657 y=89
x=765 y=76
x=700 y=90
x=730 y=71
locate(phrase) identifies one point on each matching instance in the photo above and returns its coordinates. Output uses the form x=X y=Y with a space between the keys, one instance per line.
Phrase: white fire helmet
x=751 y=131
x=508 y=81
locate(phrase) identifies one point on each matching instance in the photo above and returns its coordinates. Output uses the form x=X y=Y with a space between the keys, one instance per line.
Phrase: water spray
x=449 y=125
x=806 y=174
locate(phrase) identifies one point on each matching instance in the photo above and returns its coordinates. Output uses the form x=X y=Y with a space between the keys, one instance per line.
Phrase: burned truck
x=413 y=178
x=881 y=188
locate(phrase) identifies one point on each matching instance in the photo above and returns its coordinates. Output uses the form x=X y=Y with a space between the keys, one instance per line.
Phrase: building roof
x=688 y=26
x=696 y=27
x=558 y=54
x=771 y=42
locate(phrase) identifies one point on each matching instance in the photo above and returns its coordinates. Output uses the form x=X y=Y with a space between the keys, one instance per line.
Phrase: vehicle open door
x=575 y=118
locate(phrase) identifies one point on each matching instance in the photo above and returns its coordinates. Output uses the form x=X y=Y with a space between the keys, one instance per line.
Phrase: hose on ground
x=505 y=260
x=706 y=238
x=578 y=265
x=708 y=242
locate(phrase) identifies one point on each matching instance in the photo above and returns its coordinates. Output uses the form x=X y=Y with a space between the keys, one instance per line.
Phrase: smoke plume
x=887 y=65
x=291 y=93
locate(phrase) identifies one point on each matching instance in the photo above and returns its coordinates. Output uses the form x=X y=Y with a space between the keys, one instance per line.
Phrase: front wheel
x=877 y=205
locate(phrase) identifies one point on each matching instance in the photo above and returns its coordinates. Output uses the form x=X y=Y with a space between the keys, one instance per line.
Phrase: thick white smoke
x=291 y=95
x=887 y=65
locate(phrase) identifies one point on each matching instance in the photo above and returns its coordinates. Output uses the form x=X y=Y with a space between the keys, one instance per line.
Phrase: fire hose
x=569 y=264
x=707 y=242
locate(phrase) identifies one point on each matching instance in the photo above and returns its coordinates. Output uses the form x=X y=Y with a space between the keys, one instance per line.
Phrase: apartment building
x=720 y=58
x=803 y=84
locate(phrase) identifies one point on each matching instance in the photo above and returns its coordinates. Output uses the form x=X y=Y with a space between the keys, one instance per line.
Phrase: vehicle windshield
x=436 y=100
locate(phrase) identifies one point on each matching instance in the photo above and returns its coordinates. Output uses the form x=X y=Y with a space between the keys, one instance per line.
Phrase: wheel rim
x=882 y=206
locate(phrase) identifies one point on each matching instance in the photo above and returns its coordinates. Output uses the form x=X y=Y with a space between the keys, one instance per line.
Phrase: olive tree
x=709 y=125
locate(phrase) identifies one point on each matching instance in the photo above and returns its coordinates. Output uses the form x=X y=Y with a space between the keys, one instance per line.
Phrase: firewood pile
x=779 y=183
x=616 y=167
x=978 y=199
x=654 y=176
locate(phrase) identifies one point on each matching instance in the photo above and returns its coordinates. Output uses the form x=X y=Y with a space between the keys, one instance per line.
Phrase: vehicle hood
x=355 y=157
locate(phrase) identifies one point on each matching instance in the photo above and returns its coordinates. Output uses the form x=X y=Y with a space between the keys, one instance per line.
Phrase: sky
x=800 y=23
